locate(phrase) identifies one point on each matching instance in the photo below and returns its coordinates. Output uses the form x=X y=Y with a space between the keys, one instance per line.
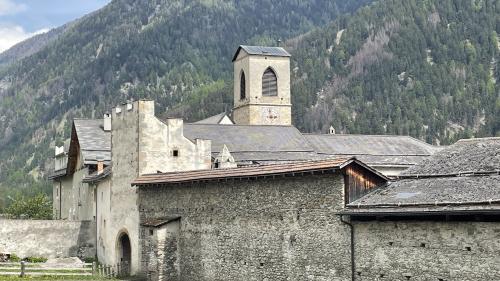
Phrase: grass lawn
x=48 y=278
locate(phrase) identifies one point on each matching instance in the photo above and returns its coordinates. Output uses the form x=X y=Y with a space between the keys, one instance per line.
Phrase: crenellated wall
x=140 y=144
x=163 y=147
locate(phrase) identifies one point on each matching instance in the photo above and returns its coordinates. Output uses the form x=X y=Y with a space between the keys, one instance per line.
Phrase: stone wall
x=140 y=144
x=427 y=250
x=42 y=238
x=263 y=229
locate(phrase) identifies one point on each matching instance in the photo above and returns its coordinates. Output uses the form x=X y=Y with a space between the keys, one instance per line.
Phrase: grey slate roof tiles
x=262 y=51
x=369 y=145
x=239 y=138
x=272 y=144
x=462 y=175
x=473 y=155
x=95 y=143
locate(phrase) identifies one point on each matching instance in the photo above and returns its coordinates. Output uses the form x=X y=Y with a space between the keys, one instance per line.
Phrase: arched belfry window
x=269 y=83
x=242 y=86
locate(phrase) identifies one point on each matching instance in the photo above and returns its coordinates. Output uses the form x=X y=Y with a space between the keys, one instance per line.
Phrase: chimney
x=107 y=122
x=100 y=166
x=332 y=130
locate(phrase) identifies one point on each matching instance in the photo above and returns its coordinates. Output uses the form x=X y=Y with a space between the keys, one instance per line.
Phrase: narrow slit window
x=243 y=94
x=269 y=83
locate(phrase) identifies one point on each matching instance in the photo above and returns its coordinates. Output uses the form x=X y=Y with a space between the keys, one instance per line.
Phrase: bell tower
x=262 y=86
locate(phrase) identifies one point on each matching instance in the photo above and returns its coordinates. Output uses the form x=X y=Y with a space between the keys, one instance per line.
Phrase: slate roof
x=466 y=156
x=212 y=119
x=462 y=177
x=95 y=143
x=157 y=222
x=244 y=172
x=251 y=145
x=262 y=51
x=373 y=149
x=95 y=177
x=57 y=174
x=252 y=138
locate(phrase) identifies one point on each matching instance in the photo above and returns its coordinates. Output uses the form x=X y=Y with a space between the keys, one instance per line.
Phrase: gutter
x=417 y=213
x=353 y=264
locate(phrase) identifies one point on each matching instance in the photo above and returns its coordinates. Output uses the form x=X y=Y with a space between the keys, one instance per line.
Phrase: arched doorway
x=124 y=252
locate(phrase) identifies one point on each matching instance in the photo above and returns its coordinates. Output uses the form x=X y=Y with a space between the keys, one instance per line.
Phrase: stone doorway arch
x=124 y=252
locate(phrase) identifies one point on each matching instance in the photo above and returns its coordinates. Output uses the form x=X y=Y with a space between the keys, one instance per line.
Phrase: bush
x=35 y=259
x=14 y=258
x=89 y=260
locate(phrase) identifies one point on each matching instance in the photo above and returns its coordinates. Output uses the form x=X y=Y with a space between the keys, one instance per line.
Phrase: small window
x=175 y=153
x=269 y=83
x=243 y=94
x=151 y=232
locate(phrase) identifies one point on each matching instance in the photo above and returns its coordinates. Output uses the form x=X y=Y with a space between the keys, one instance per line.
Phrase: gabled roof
x=462 y=177
x=296 y=168
x=373 y=149
x=212 y=119
x=157 y=222
x=251 y=138
x=262 y=51
x=94 y=142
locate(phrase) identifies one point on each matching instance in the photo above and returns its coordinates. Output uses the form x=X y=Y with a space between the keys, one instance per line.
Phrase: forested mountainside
x=428 y=69
x=175 y=52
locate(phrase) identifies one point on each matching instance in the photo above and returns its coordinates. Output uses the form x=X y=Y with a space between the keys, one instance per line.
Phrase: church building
x=235 y=167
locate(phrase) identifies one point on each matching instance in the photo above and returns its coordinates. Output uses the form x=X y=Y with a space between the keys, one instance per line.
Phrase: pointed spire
x=224 y=159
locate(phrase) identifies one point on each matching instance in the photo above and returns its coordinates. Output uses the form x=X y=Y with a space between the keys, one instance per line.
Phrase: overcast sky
x=20 y=19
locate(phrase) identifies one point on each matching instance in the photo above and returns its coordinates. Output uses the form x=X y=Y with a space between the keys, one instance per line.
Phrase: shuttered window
x=242 y=86
x=269 y=83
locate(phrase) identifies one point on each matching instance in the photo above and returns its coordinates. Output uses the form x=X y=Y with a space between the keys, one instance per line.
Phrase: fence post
x=23 y=269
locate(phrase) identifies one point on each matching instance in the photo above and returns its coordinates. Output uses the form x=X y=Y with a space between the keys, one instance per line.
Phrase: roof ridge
x=87 y=119
x=450 y=175
x=478 y=139
x=240 y=125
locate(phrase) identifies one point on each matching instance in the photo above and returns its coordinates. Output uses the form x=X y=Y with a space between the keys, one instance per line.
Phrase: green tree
x=37 y=207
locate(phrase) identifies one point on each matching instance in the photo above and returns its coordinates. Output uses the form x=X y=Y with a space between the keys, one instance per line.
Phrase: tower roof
x=262 y=51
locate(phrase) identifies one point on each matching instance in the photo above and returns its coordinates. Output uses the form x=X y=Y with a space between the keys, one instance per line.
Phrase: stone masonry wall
x=426 y=250
x=53 y=238
x=263 y=229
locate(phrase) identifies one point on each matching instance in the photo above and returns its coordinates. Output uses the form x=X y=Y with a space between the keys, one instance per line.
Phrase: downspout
x=60 y=200
x=353 y=265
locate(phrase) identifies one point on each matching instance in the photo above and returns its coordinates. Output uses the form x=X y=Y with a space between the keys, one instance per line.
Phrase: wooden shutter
x=269 y=83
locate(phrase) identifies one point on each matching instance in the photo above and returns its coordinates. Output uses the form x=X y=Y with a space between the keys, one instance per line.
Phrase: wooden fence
x=23 y=269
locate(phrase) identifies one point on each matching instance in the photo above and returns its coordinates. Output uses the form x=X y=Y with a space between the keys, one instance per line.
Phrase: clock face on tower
x=270 y=115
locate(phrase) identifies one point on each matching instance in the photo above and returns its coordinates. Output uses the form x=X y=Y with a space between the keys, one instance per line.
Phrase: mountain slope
x=424 y=68
x=169 y=51
x=29 y=46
